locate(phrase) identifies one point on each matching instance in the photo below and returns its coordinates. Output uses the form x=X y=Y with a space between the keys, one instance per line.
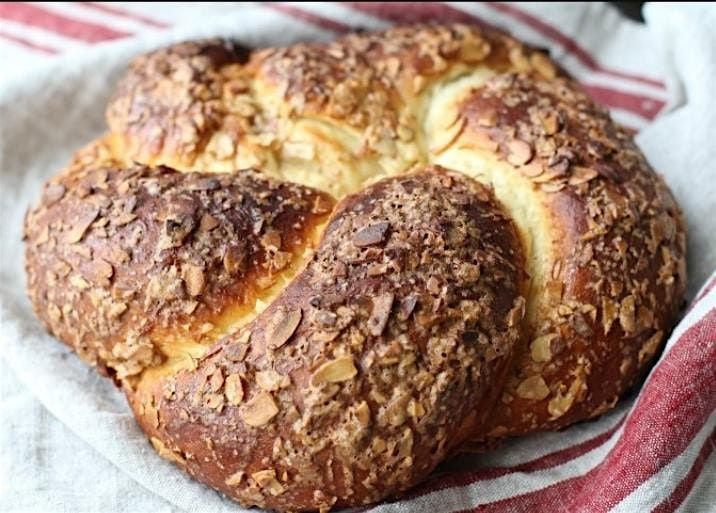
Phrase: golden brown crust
x=617 y=275
x=601 y=242
x=372 y=365
x=124 y=263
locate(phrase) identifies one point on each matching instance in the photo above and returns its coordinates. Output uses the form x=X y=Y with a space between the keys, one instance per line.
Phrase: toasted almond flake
x=263 y=477
x=382 y=306
x=116 y=310
x=81 y=225
x=193 y=278
x=533 y=388
x=235 y=478
x=208 y=223
x=475 y=50
x=282 y=326
x=560 y=404
x=165 y=452
x=610 y=312
x=550 y=122
x=54 y=312
x=362 y=413
x=216 y=380
x=627 y=318
x=151 y=414
x=334 y=371
x=79 y=282
x=43 y=236
x=582 y=175
x=405 y=445
x=540 y=348
x=552 y=187
x=519 y=59
x=519 y=152
x=532 y=170
x=415 y=409
x=396 y=411
x=234 y=259
x=269 y=380
x=214 y=401
x=378 y=445
x=371 y=234
x=543 y=65
x=259 y=410
x=271 y=240
x=233 y=389
x=650 y=346
x=407 y=305
x=53 y=193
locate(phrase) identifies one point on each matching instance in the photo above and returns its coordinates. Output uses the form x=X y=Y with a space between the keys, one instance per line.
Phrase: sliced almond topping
x=532 y=170
x=79 y=282
x=382 y=306
x=282 y=326
x=334 y=371
x=610 y=311
x=540 y=348
x=216 y=380
x=80 y=227
x=475 y=50
x=415 y=409
x=560 y=404
x=234 y=259
x=552 y=186
x=98 y=271
x=215 y=401
x=405 y=445
x=407 y=305
x=235 y=478
x=550 y=122
x=543 y=65
x=582 y=175
x=650 y=346
x=165 y=452
x=370 y=235
x=194 y=278
x=53 y=193
x=259 y=410
x=627 y=317
x=208 y=223
x=271 y=240
x=519 y=59
x=520 y=152
x=266 y=479
x=233 y=389
x=269 y=380
x=533 y=388
x=263 y=477
x=362 y=412
x=151 y=414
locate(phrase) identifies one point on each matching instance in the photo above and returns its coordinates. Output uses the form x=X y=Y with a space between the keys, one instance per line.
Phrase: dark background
x=630 y=9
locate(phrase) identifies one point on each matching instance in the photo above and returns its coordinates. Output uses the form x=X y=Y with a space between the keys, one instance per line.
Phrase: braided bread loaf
x=316 y=271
